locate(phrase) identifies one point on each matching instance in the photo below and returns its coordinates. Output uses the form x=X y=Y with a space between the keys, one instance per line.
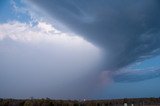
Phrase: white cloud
x=41 y=58
x=44 y=35
x=55 y=61
x=40 y=33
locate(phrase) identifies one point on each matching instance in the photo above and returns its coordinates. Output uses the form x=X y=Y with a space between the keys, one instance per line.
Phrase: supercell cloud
x=127 y=31
x=74 y=48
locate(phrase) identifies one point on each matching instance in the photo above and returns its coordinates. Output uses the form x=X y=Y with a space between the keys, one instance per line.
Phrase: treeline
x=113 y=102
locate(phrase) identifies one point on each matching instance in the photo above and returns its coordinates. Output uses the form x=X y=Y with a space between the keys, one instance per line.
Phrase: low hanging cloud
x=41 y=61
x=127 y=31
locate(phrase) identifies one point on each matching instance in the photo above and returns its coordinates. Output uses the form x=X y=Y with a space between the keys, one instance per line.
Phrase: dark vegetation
x=113 y=102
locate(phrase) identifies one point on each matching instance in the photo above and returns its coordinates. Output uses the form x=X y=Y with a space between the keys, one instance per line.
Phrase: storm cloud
x=75 y=48
x=127 y=31
x=41 y=61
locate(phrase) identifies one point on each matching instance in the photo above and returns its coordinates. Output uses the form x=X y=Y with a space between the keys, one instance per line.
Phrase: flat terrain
x=112 y=102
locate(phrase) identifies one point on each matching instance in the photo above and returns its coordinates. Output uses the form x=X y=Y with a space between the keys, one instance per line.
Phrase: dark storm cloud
x=128 y=30
x=137 y=75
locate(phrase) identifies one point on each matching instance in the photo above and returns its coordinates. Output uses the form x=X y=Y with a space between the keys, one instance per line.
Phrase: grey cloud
x=137 y=75
x=127 y=30
x=41 y=71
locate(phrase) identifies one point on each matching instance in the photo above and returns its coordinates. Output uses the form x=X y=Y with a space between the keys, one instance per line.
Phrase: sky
x=79 y=49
